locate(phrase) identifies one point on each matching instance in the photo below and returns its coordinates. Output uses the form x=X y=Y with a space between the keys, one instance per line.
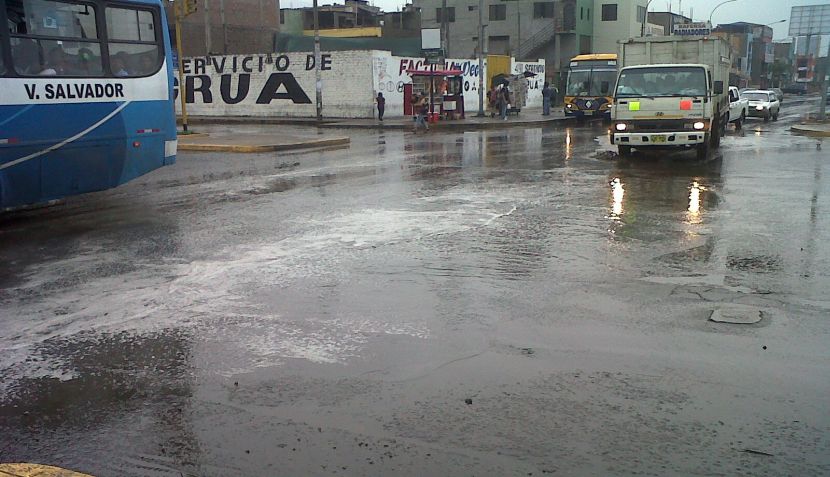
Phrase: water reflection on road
x=490 y=302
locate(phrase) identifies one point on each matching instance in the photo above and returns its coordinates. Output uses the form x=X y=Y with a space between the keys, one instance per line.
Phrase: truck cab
x=665 y=99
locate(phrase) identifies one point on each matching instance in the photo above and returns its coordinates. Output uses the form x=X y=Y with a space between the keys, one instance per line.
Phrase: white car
x=763 y=104
x=738 y=107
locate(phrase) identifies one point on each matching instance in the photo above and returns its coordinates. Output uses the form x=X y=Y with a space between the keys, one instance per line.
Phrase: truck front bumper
x=685 y=138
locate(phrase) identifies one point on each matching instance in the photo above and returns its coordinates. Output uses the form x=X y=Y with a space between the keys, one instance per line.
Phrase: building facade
x=615 y=21
x=753 y=52
x=667 y=20
x=553 y=30
x=228 y=27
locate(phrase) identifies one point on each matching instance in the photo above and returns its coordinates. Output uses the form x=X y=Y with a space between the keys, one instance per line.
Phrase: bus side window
x=51 y=38
x=133 y=46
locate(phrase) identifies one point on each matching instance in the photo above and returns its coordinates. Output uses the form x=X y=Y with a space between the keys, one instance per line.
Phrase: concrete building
x=667 y=20
x=615 y=21
x=752 y=50
x=403 y=24
x=553 y=30
x=228 y=27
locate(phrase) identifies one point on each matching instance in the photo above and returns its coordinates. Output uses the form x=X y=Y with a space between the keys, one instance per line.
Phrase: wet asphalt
x=501 y=302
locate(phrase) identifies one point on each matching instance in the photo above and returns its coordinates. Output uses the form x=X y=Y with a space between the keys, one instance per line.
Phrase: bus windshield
x=590 y=82
x=662 y=82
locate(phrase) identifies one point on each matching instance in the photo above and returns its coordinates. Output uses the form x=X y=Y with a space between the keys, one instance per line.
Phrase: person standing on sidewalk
x=381 y=106
x=546 y=93
x=504 y=99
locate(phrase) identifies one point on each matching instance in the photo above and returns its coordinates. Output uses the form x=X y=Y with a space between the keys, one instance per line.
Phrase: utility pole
x=317 y=61
x=481 y=58
x=207 y=27
x=224 y=27
x=180 y=9
x=445 y=41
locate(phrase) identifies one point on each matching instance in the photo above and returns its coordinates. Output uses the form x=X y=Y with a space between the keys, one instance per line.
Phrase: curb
x=338 y=141
x=806 y=129
x=179 y=135
x=37 y=470
x=451 y=125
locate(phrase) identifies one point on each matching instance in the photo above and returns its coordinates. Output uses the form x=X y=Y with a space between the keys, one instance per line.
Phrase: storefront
x=443 y=88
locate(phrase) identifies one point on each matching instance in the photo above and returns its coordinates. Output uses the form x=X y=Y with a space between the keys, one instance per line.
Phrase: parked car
x=763 y=104
x=738 y=107
x=779 y=94
x=796 y=88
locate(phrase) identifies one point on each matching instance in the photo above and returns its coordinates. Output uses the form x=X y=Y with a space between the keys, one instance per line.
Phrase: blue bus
x=86 y=96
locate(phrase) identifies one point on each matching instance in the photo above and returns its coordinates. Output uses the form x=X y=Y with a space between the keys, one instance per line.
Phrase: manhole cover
x=736 y=314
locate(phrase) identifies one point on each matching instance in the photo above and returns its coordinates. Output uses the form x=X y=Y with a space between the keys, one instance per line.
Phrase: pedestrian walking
x=420 y=105
x=546 y=94
x=381 y=106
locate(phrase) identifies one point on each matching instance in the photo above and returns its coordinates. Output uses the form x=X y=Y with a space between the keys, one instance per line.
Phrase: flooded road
x=517 y=302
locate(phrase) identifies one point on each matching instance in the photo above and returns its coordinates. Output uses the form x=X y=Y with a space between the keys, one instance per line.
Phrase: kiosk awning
x=434 y=73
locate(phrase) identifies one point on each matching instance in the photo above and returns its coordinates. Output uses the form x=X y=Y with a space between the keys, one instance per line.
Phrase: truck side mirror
x=718 y=87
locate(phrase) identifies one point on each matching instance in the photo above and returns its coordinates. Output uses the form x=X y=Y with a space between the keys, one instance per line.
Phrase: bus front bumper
x=590 y=113
x=685 y=138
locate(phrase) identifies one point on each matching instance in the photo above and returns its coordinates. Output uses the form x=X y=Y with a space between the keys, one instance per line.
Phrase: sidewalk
x=526 y=118
x=246 y=138
x=813 y=129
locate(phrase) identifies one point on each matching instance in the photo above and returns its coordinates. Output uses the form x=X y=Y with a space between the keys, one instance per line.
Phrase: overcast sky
x=755 y=11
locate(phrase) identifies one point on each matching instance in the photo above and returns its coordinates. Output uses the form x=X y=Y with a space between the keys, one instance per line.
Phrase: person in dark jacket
x=381 y=105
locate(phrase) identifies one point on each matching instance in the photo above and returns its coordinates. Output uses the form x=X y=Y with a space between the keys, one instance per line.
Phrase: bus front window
x=579 y=83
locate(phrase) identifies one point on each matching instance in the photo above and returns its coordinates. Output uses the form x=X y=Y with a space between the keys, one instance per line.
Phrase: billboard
x=693 y=29
x=810 y=20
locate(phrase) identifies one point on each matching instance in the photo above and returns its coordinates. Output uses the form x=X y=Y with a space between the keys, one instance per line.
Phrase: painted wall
x=279 y=85
x=283 y=85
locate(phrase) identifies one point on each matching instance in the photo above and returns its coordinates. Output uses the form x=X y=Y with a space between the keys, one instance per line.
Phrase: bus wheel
x=624 y=151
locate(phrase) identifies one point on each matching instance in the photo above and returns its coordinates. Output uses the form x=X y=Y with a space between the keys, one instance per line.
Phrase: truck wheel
x=775 y=116
x=715 y=136
x=624 y=151
x=739 y=124
x=766 y=118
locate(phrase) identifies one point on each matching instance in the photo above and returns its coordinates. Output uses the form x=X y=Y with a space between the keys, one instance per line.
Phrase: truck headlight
x=759 y=108
x=620 y=126
x=698 y=125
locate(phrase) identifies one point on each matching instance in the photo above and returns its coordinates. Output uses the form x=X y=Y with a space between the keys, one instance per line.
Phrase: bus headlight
x=698 y=125
x=569 y=106
x=620 y=126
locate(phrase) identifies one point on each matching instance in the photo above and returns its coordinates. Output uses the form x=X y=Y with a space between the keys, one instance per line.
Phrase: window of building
x=581 y=13
x=133 y=46
x=439 y=15
x=589 y=14
x=543 y=10
x=641 y=14
x=498 y=45
x=498 y=12
x=282 y=17
x=54 y=39
x=609 y=12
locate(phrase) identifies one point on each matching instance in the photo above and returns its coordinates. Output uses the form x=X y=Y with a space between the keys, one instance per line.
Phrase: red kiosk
x=445 y=88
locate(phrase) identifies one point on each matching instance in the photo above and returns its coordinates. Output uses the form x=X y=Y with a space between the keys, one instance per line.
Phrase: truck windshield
x=591 y=82
x=662 y=82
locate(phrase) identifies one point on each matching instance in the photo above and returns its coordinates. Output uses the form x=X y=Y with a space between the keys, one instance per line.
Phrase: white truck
x=671 y=93
x=738 y=107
